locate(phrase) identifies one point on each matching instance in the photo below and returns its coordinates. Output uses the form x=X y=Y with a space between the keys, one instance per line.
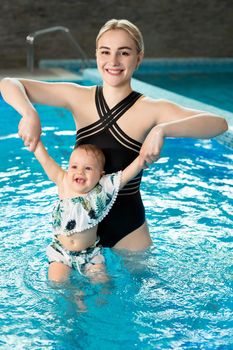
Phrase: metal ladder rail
x=30 y=39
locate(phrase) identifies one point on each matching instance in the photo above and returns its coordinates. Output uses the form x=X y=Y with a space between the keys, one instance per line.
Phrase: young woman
x=122 y=122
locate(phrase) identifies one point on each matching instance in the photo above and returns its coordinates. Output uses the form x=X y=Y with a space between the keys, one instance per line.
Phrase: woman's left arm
x=176 y=121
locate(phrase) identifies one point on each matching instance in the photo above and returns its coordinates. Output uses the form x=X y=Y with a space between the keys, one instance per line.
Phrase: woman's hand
x=29 y=129
x=151 y=147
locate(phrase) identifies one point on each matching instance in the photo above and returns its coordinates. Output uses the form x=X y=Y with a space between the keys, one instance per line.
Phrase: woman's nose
x=115 y=59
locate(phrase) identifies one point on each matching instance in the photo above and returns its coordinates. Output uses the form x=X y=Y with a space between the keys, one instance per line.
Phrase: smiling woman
x=117 y=62
x=122 y=122
x=127 y=53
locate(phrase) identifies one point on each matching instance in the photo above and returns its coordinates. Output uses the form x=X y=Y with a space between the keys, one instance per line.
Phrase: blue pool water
x=212 y=88
x=177 y=295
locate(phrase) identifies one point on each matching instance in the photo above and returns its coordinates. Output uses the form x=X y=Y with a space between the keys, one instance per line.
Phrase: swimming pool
x=212 y=88
x=178 y=295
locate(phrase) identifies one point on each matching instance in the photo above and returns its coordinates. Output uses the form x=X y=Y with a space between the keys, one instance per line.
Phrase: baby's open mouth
x=79 y=180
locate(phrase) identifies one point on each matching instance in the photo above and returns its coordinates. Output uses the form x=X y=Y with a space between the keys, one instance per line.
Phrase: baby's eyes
x=75 y=167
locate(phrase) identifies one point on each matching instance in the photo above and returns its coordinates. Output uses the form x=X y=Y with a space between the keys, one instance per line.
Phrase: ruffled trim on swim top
x=81 y=213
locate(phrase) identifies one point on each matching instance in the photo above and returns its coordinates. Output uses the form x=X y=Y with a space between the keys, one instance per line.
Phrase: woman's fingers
x=149 y=154
x=29 y=142
x=32 y=145
x=151 y=148
x=29 y=131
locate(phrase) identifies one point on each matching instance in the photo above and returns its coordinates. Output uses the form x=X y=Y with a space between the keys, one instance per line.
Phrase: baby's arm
x=52 y=169
x=130 y=172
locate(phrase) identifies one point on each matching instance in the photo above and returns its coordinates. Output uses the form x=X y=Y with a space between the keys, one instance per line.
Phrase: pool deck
x=60 y=74
x=41 y=74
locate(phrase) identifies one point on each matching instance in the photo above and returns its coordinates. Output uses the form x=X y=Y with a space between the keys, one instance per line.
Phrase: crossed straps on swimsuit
x=109 y=117
x=107 y=122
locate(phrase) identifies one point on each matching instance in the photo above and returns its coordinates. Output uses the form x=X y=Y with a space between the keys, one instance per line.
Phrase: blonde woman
x=122 y=122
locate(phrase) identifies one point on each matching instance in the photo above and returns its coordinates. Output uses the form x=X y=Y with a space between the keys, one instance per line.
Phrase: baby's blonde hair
x=96 y=151
x=126 y=25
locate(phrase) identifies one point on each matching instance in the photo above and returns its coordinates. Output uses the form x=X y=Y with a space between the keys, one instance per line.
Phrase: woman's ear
x=139 y=60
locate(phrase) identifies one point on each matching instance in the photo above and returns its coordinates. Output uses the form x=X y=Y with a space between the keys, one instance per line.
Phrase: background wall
x=171 y=28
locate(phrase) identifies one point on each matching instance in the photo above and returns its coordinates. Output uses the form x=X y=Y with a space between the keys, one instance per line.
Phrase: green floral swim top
x=77 y=214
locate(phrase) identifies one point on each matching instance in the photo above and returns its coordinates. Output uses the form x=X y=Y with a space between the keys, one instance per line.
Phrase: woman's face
x=117 y=57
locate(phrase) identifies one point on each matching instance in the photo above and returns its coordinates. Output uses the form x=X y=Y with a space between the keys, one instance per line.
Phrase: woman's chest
x=135 y=122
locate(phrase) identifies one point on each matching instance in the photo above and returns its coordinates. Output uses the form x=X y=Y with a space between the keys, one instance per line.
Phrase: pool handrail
x=30 y=39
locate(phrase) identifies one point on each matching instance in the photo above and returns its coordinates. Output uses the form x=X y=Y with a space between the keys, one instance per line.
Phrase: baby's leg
x=59 y=268
x=97 y=273
x=58 y=272
x=95 y=269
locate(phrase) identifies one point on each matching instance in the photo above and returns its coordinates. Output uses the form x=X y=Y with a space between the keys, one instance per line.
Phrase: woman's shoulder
x=153 y=105
x=79 y=96
x=79 y=88
x=152 y=102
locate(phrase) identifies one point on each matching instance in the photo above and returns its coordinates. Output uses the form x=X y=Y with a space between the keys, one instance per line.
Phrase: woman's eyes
x=124 y=53
x=119 y=53
x=105 y=52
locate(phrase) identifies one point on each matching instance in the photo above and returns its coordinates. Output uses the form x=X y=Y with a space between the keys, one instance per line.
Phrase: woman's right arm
x=22 y=93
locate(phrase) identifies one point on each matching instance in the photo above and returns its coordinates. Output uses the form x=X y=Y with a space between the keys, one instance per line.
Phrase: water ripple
x=177 y=295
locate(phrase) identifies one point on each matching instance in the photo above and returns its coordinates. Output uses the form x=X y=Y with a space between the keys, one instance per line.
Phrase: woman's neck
x=115 y=94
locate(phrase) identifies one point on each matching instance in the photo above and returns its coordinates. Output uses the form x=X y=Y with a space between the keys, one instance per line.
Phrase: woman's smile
x=114 y=71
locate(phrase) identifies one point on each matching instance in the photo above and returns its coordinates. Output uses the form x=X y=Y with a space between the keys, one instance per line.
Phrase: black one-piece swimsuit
x=127 y=213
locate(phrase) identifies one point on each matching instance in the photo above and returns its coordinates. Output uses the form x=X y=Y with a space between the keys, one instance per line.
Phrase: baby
x=85 y=197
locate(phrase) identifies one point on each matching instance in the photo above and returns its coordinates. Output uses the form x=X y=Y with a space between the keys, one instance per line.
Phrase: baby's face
x=84 y=171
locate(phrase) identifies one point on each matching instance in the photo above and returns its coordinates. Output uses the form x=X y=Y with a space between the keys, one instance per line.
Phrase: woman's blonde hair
x=126 y=25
